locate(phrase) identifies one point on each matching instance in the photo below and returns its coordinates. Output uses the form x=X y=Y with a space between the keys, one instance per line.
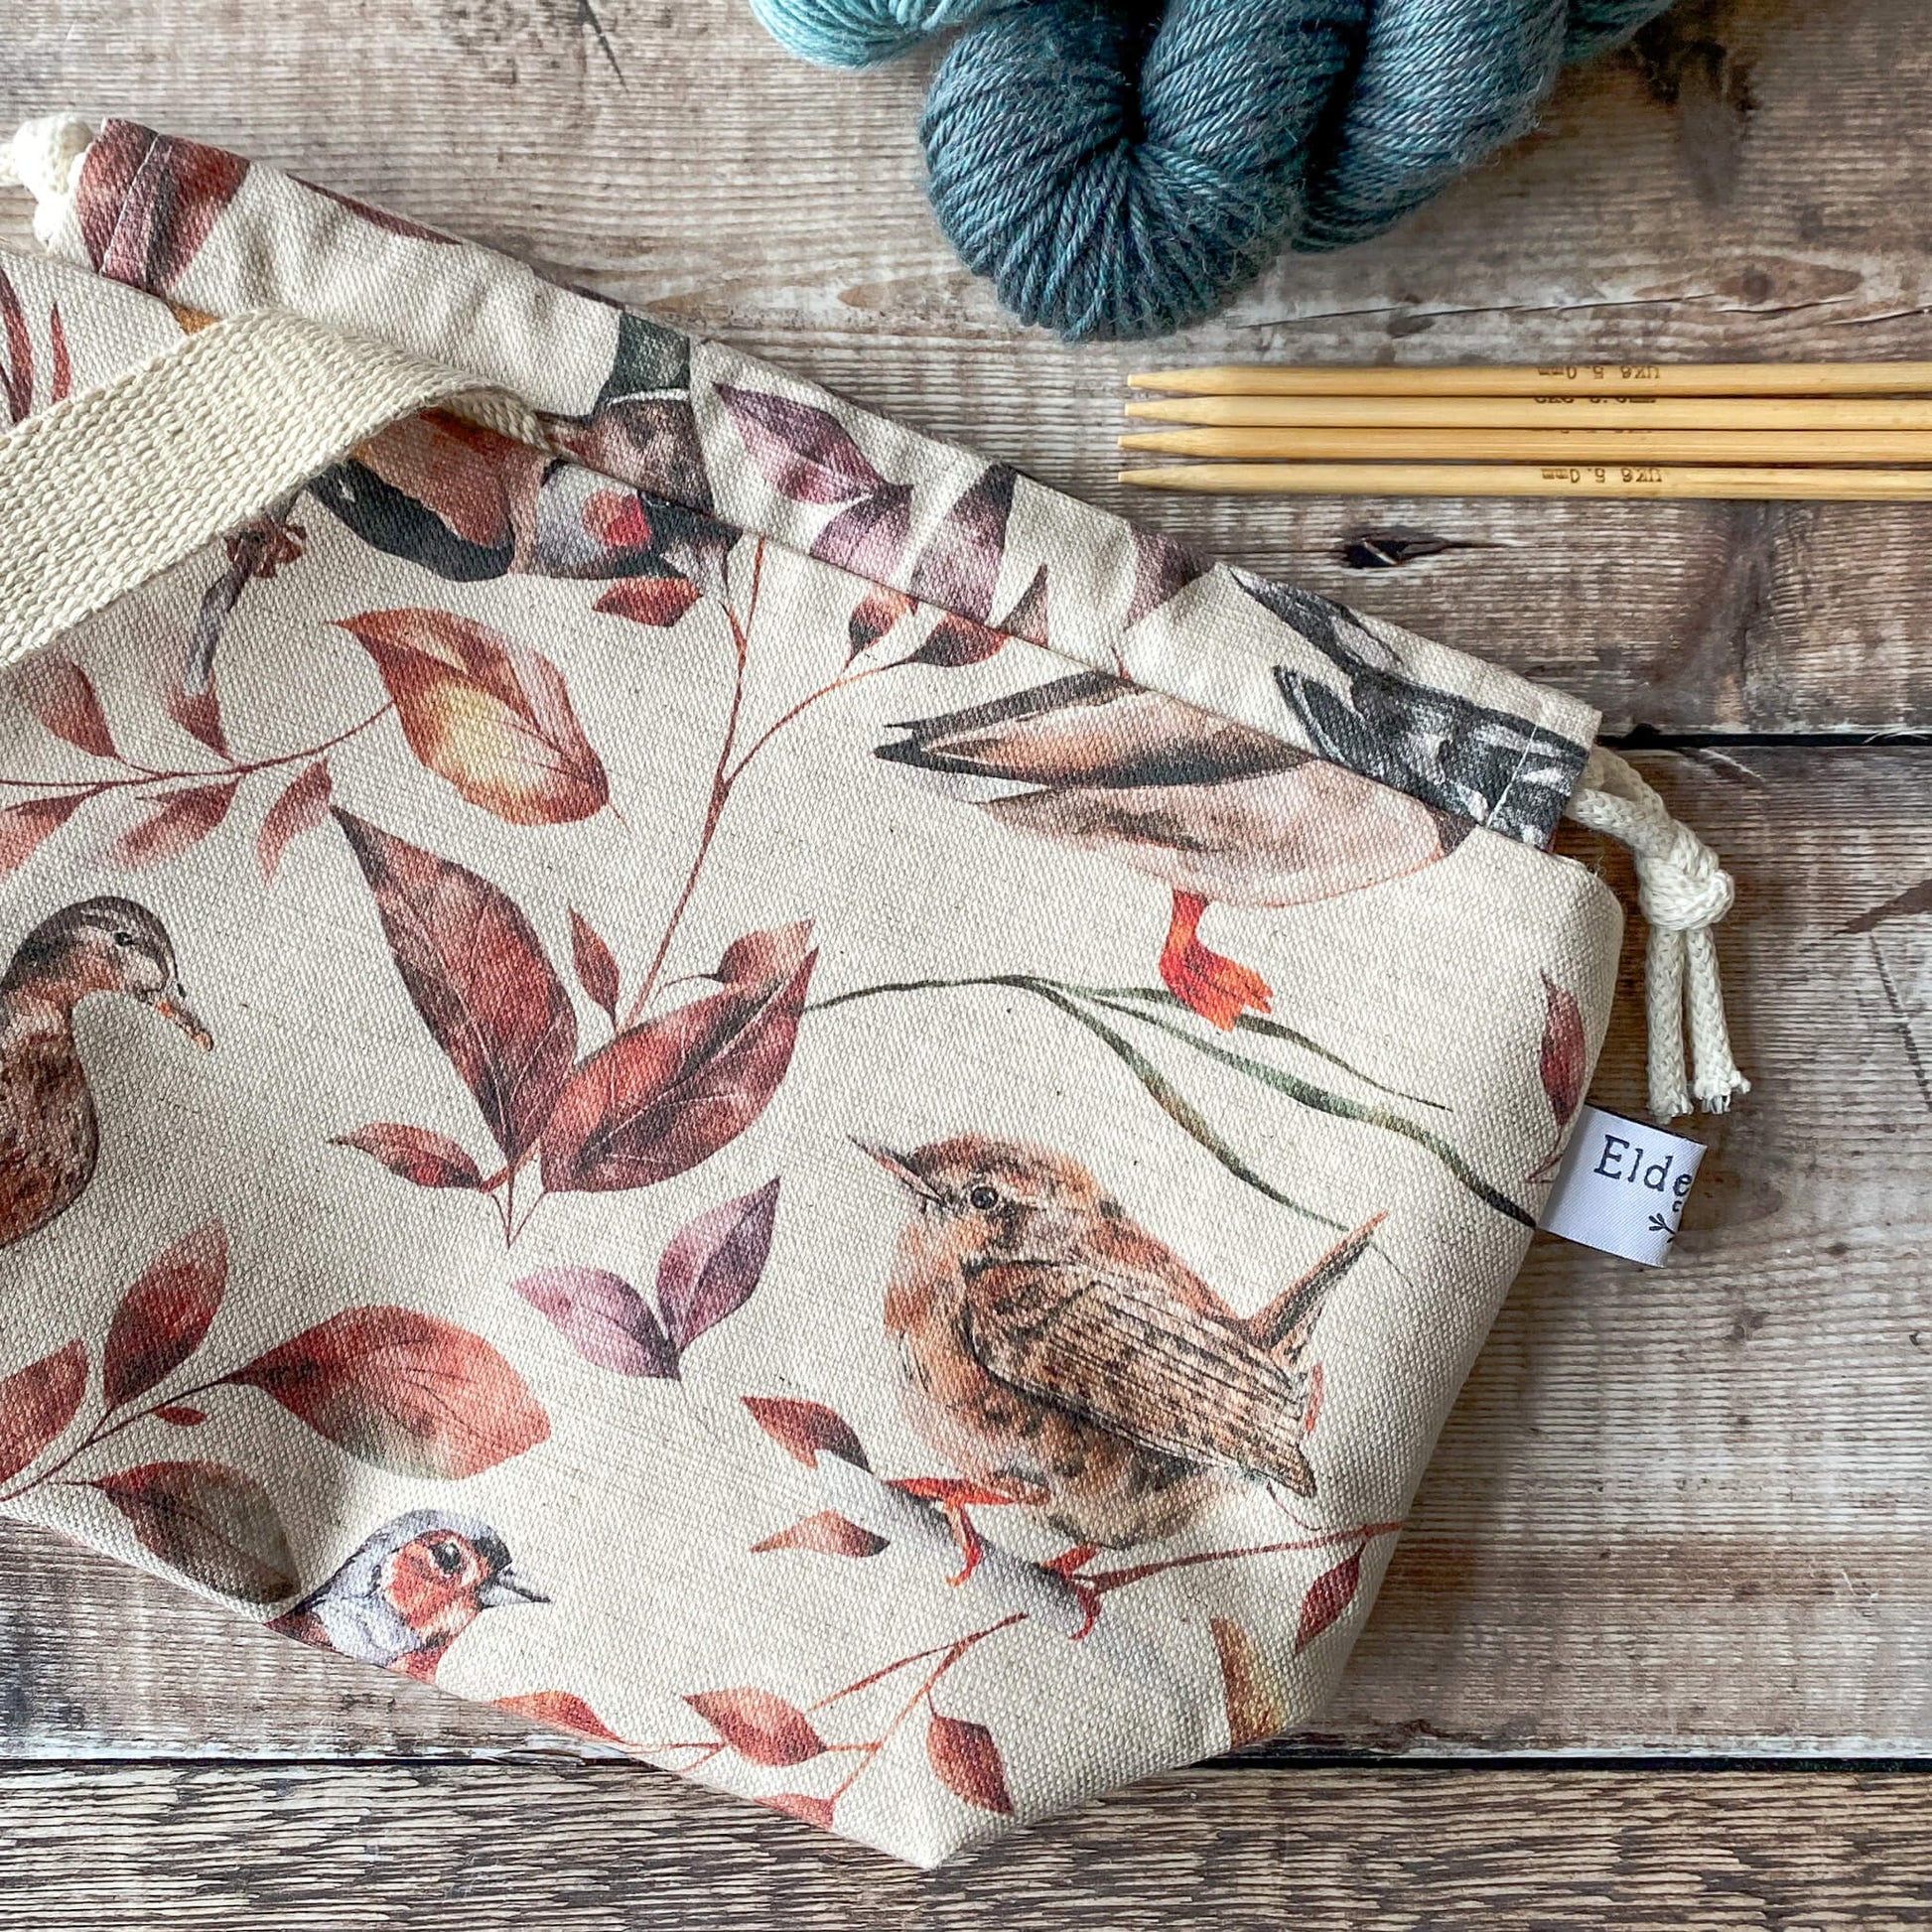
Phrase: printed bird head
x=102 y=945
x=997 y=1198
x=410 y=1590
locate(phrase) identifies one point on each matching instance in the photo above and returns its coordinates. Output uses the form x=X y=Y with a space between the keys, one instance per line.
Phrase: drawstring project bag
x=712 y=1072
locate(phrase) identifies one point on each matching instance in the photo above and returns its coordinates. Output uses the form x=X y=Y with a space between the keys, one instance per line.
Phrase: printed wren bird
x=1054 y=1351
x=1216 y=811
x=49 y=1138
x=409 y=1591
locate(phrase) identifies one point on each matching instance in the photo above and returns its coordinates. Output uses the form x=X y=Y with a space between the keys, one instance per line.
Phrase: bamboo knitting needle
x=1538 y=412
x=1710 y=481
x=1576 y=379
x=1542 y=445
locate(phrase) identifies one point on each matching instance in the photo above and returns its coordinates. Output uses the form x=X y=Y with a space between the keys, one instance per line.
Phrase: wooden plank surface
x=1681 y=1513
x=613 y=1848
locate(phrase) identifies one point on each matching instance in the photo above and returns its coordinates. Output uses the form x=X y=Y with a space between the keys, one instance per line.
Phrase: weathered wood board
x=616 y=1848
x=1681 y=1513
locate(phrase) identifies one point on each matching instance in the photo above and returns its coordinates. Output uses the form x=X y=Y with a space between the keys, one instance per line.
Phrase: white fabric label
x=1622 y=1186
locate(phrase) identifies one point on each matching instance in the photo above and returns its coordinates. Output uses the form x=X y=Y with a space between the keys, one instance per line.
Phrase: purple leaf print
x=602 y=1318
x=804 y=451
x=960 y=564
x=713 y=1263
x=1162 y=569
x=1028 y=617
x=954 y=642
x=597 y=965
x=869 y=537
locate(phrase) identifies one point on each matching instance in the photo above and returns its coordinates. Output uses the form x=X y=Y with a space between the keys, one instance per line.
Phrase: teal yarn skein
x=1120 y=169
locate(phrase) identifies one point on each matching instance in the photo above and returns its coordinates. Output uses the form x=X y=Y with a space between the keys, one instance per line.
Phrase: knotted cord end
x=1683 y=893
x=42 y=157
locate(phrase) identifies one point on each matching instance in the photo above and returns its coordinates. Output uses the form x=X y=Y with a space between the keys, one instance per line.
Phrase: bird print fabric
x=743 y=1085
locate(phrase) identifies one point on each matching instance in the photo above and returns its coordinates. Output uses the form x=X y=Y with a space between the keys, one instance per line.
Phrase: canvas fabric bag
x=853 y=1124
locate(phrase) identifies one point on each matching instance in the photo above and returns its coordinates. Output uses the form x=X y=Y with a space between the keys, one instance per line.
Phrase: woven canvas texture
x=767 y=1093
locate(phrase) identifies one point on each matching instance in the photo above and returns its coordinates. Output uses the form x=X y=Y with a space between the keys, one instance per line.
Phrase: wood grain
x=1679 y=1511
x=619 y=1849
x=1683 y=1512
x=1751 y=191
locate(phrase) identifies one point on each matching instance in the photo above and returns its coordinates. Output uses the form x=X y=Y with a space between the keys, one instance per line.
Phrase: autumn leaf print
x=25 y=826
x=217 y=1526
x=490 y=715
x=602 y=1318
x=670 y=1091
x=967 y=1762
x=37 y=1403
x=806 y=1431
x=828 y=1532
x=145 y=202
x=960 y=565
x=562 y=1710
x=166 y=1316
x=805 y=453
x=874 y=615
x=62 y=697
x=656 y=601
x=403 y=1391
x=180 y=819
x=1327 y=1597
x=596 y=964
x=418 y=1154
x=477 y=975
x=708 y=1270
x=300 y=808
x=17 y=376
x=1561 y=1065
x=762 y=1728
x=1162 y=569
x=1256 y=1706
x=869 y=537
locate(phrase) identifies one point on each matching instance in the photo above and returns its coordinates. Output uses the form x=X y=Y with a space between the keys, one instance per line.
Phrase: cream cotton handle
x=107 y=490
x=1683 y=893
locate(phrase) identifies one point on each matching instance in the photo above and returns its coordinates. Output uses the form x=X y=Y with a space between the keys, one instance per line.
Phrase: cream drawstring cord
x=1683 y=893
x=42 y=157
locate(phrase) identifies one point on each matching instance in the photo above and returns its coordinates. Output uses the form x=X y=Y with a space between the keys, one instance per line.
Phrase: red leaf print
x=182 y=1415
x=302 y=807
x=165 y=1317
x=1329 y=1595
x=1564 y=1051
x=597 y=966
x=24 y=826
x=417 y=1153
x=875 y=614
x=667 y=1094
x=199 y=713
x=1028 y=617
x=62 y=695
x=1255 y=1705
x=182 y=819
x=967 y=1762
x=806 y=1429
x=829 y=1533
x=760 y=1727
x=563 y=1711
x=1312 y=1413
x=602 y=1318
x=57 y=334
x=17 y=377
x=960 y=564
x=776 y=953
x=801 y=1806
x=656 y=601
x=403 y=1391
x=954 y=642
x=868 y=537
x=146 y=201
x=491 y=715
x=37 y=1403
x=213 y=1523
x=713 y=1263
x=805 y=453
x=479 y=978
x=956 y=1492
x=1162 y=569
